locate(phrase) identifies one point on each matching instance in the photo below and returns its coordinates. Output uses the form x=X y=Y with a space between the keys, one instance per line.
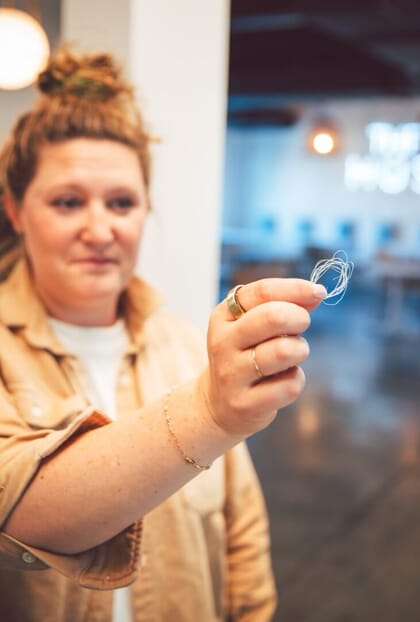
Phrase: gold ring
x=256 y=366
x=233 y=303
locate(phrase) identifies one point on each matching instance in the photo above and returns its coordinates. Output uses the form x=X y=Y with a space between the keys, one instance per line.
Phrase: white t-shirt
x=100 y=350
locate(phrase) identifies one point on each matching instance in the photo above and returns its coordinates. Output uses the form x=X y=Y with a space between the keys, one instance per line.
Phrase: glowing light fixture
x=323 y=143
x=323 y=138
x=24 y=49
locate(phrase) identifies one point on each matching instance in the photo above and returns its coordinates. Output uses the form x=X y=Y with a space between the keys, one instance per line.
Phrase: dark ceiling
x=281 y=50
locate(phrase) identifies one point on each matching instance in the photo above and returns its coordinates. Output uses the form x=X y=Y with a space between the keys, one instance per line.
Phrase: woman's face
x=82 y=218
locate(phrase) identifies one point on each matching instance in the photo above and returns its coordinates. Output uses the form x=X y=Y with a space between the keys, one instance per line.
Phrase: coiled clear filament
x=340 y=264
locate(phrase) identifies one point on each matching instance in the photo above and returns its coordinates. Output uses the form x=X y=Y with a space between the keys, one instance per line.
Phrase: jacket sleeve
x=22 y=449
x=251 y=588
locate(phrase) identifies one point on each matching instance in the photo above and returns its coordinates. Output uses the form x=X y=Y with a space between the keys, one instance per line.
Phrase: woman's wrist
x=198 y=433
x=171 y=428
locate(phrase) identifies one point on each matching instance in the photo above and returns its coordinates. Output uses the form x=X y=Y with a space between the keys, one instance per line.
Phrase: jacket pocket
x=43 y=409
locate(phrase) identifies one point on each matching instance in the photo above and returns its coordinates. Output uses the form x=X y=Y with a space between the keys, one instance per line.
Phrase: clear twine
x=340 y=264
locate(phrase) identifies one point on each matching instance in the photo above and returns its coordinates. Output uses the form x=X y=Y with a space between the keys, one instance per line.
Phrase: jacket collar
x=21 y=309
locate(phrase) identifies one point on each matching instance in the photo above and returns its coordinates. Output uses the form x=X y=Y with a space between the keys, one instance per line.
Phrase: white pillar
x=177 y=55
x=98 y=25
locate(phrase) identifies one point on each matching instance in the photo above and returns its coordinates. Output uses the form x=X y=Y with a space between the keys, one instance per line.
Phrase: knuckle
x=282 y=349
x=274 y=318
x=306 y=350
x=225 y=375
x=300 y=374
x=295 y=385
x=216 y=346
x=291 y=348
x=234 y=404
x=302 y=318
x=306 y=320
x=263 y=290
x=293 y=390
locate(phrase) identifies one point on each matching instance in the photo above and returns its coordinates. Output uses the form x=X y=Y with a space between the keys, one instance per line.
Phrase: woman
x=109 y=407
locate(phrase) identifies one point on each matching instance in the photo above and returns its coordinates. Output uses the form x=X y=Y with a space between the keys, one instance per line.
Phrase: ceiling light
x=323 y=142
x=323 y=138
x=24 y=49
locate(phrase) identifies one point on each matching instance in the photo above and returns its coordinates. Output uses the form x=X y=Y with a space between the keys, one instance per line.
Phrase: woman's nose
x=97 y=229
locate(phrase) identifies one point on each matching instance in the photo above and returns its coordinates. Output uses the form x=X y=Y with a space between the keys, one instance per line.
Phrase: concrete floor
x=340 y=470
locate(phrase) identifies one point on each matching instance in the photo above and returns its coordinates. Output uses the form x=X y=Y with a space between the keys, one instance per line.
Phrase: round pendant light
x=24 y=49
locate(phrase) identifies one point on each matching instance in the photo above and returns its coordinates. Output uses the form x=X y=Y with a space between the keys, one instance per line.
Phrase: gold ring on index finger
x=233 y=303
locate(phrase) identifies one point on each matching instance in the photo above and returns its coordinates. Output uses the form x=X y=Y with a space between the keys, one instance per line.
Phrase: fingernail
x=319 y=291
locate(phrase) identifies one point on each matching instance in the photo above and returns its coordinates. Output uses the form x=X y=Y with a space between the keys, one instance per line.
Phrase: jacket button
x=28 y=558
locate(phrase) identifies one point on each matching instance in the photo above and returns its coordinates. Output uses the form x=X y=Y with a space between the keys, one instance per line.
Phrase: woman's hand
x=254 y=361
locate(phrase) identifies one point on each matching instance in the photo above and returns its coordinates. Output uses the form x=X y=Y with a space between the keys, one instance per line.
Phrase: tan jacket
x=201 y=556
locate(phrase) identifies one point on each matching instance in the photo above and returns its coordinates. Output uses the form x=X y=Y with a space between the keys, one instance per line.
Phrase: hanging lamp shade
x=24 y=49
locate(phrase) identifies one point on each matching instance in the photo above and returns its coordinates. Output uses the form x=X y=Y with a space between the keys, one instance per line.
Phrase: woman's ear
x=12 y=211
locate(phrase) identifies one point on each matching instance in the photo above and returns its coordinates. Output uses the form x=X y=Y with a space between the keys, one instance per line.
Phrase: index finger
x=299 y=291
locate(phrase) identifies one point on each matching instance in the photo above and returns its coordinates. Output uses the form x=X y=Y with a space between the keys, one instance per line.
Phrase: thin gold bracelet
x=187 y=459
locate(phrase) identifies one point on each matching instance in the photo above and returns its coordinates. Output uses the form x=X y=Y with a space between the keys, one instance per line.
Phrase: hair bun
x=88 y=76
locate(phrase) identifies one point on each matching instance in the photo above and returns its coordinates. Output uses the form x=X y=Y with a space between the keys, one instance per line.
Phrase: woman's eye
x=67 y=202
x=122 y=203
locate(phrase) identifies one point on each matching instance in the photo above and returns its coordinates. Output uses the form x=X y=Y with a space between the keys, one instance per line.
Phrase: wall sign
x=392 y=163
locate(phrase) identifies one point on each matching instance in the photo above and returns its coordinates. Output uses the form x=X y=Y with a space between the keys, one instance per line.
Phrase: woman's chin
x=98 y=292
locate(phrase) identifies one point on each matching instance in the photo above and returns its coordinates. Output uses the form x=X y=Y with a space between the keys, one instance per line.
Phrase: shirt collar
x=21 y=309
